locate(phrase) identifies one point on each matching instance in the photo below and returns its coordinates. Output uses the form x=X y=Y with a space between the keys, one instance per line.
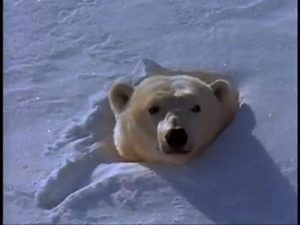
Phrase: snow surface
x=61 y=57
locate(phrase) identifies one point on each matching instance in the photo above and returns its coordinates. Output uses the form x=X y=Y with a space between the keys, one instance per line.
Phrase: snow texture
x=61 y=58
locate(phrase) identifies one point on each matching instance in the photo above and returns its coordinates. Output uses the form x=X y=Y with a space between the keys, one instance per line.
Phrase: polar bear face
x=167 y=119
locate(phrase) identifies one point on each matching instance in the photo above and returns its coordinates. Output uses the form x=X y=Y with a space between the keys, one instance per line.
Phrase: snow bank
x=60 y=59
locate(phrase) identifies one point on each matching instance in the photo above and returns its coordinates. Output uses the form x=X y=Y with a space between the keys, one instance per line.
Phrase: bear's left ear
x=221 y=89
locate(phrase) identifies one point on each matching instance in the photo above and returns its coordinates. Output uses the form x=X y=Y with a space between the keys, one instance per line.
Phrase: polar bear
x=170 y=119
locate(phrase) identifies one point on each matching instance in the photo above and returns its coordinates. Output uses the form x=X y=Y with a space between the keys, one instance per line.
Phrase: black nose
x=176 y=137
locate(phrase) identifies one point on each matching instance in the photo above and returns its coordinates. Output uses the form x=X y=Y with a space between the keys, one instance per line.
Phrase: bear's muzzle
x=176 y=138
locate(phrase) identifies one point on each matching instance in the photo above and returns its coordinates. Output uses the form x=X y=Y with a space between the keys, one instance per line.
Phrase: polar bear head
x=168 y=119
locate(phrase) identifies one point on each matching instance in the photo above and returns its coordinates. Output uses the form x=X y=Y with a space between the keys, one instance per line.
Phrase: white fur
x=139 y=136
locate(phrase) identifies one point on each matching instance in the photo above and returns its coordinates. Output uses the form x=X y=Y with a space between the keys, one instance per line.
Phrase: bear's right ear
x=119 y=96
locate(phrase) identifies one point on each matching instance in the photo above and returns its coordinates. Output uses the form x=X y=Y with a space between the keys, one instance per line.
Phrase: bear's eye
x=196 y=108
x=154 y=109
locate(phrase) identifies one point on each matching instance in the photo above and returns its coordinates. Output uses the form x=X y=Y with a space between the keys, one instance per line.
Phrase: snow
x=60 y=59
